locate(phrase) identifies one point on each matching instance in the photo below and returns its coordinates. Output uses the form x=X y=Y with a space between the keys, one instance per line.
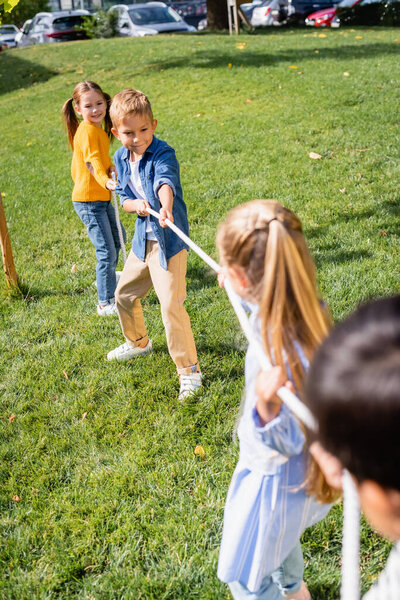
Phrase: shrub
x=102 y=25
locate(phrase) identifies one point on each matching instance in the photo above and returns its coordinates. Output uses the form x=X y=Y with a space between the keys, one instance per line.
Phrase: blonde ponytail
x=266 y=240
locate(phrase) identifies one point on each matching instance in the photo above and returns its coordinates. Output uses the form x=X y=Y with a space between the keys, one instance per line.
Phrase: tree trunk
x=217 y=14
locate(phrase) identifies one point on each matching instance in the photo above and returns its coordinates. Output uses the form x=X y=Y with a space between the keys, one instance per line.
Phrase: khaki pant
x=170 y=286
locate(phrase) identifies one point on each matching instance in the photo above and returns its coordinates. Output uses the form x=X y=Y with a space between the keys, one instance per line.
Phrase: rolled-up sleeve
x=120 y=191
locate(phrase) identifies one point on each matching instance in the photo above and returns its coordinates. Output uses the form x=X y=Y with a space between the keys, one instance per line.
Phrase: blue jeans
x=285 y=580
x=100 y=222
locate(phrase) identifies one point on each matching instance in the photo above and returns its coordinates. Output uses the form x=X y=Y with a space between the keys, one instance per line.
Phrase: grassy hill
x=102 y=496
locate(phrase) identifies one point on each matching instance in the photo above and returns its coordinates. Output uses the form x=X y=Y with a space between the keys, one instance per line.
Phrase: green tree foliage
x=21 y=10
x=101 y=25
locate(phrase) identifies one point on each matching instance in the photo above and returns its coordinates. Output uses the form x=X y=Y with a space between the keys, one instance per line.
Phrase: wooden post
x=8 y=261
x=229 y=7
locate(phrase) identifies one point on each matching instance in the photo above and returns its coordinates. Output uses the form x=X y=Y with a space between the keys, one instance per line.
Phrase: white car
x=23 y=31
x=7 y=35
x=57 y=26
x=138 y=20
x=272 y=12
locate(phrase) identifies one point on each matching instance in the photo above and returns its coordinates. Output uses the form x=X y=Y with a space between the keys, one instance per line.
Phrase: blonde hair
x=266 y=240
x=69 y=115
x=129 y=102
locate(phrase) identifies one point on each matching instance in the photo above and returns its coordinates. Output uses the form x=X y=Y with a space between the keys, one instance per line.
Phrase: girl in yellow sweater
x=91 y=171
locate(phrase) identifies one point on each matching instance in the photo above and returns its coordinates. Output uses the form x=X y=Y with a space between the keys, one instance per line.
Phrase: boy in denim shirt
x=148 y=176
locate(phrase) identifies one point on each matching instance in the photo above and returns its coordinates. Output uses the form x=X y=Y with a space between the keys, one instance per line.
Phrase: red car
x=321 y=18
x=324 y=18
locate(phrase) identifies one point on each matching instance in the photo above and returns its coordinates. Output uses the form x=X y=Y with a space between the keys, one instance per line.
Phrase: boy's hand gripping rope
x=350 y=588
x=120 y=235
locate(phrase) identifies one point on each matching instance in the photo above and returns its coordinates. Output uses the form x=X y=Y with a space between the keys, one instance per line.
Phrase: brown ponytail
x=71 y=121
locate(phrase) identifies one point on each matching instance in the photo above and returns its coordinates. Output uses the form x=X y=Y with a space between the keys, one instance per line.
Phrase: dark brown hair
x=353 y=389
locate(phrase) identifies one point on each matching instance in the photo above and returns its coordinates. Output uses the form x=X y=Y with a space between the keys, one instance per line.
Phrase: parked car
x=368 y=12
x=286 y=12
x=191 y=11
x=22 y=31
x=58 y=26
x=149 y=19
x=327 y=17
x=272 y=13
x=7 y=35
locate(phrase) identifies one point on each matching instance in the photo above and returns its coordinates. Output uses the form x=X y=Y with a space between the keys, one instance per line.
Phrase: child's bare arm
x=268 y=404
x=166 y=197
x=140 y=207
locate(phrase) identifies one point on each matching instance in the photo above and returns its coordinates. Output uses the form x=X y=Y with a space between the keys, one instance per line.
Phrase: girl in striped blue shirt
x=276 y=491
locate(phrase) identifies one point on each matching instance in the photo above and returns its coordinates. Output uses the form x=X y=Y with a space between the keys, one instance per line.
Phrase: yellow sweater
x=90 y=163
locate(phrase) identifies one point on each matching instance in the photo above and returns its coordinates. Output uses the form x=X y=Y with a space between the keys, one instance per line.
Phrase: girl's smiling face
x=92 y=107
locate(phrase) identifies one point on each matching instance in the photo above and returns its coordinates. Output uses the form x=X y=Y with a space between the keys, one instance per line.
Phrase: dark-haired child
x=353 y=389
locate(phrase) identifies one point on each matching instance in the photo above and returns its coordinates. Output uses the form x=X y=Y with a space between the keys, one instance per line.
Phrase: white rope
x=120 y=234
x=350 y=589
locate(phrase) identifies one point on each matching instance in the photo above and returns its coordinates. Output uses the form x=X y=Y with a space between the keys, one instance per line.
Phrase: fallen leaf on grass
x=11 y=418
x=199 y=450
x=383 y=232
x=65 y=374
x=74 y=268
x=84 y=416
x=314 y=155
x=198 y=115
x=342 y=190
x=16 y=498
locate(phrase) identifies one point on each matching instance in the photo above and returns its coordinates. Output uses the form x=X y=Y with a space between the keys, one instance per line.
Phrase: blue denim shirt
x=157 y=166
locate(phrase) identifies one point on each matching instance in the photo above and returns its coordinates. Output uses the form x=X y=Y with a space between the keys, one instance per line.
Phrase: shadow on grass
x=324 y=592
x=203 y=59
x=18 y=73
x=337 y=256
x=32 y=293
x=199 y=277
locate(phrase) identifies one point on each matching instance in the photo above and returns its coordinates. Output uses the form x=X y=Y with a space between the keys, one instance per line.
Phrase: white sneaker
x=107 y=309
x=189 y=384
x=302 y=594
x=126 y=352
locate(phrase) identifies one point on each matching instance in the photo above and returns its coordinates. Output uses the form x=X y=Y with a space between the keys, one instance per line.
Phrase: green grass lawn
x=114 y=504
